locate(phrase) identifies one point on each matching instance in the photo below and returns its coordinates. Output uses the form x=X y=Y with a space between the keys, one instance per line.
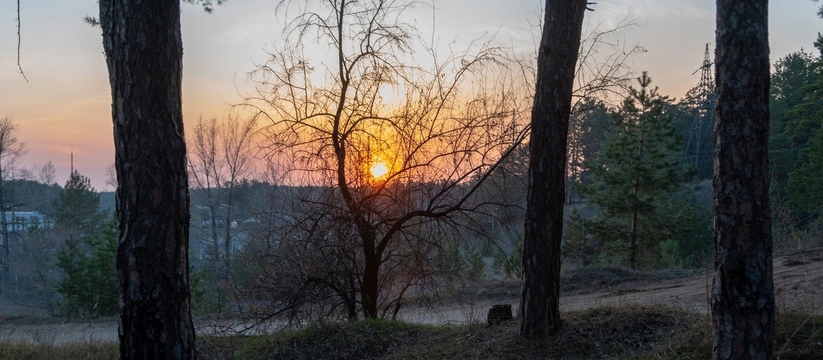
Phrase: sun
x=378 y=169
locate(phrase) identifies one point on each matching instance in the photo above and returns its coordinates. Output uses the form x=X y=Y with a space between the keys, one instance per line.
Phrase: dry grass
x=596 y=277
x=76 y=351
x=624 y=332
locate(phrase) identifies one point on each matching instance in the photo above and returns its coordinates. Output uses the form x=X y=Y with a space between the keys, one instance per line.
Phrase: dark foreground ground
x=624 y=332
x=608 y=313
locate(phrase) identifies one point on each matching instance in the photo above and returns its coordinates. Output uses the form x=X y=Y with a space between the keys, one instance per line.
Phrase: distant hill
x=28 y=195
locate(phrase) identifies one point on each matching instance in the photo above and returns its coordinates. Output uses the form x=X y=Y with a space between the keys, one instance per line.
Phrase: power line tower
x=699 y=145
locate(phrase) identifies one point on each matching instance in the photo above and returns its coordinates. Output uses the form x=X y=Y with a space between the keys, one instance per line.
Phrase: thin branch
x=18 y=43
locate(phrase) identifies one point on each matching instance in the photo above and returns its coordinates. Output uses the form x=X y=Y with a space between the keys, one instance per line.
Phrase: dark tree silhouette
x=742 y=298
x=556 y=63
x=144 y=54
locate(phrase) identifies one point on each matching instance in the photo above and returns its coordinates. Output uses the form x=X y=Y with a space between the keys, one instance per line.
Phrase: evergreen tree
x=805 y=186
x=793 y=74
x=71 y=260
x=89 y=284
x=77 y=207
x=87 y=259
x=639 y=168
x=804 y=130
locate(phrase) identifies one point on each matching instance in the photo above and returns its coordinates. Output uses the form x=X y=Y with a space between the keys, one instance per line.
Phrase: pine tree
x=87 y=259
x=77 y=207
x=639 y=168
x=742 y=296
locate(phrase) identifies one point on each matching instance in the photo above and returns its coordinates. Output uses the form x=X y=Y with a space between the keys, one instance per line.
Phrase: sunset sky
x=65 y=108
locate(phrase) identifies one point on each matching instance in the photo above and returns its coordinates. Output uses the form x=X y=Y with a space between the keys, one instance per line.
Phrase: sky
x=64 y=107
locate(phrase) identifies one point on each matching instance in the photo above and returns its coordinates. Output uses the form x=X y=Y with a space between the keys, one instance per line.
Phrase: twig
x=18 y=43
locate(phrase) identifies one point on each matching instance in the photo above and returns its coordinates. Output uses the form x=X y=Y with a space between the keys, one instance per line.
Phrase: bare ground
x=798 y=282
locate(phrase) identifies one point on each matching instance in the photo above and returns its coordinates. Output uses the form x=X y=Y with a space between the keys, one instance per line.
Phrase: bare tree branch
x=19 y=41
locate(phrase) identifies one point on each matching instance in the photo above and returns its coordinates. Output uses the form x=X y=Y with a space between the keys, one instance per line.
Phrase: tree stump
x=499 y=314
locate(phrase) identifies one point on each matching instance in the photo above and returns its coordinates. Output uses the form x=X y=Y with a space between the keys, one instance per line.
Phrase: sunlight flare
x=378 y=170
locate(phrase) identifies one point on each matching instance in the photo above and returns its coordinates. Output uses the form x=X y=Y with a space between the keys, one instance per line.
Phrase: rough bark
x=742 y=298
x=557 y=58
x=144 y=52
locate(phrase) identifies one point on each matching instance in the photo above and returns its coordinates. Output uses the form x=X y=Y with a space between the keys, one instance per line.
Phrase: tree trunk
x=144 y=54
x=6 y=251
x=557 y=59
x=227 y=243
x=742 y=298
x=370 y=288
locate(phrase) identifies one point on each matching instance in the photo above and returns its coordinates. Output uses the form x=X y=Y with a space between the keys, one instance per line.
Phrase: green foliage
x=635 y=175
x=77 y=207
x=513 y=265
x=87 y=260
x=588 y=125
x=89 y=284
x=796 y=134
x=578 y=242
x=71 y=260
x=475 y=263
x=691 y=242
x=206 y=295
x=806 y=181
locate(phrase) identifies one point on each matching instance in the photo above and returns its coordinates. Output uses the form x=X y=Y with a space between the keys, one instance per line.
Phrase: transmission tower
x=699 y=146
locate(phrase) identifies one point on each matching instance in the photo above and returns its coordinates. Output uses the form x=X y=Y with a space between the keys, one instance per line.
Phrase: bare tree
x=11 y=149
x=742 y=298
x=221 y=156
x=46 y=173
x=111 y=176
x=144 y=54
x=388 y=145
x=557 y=59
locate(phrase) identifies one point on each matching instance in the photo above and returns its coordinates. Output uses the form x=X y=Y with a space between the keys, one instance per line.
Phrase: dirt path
x=798 y=282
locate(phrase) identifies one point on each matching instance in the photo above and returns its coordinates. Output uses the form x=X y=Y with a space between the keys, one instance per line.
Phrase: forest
x=395 y=175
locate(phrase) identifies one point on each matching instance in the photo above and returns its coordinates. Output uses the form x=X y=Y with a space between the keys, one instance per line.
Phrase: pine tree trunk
x=742 y=297
x=144 y=53
x=557 y=59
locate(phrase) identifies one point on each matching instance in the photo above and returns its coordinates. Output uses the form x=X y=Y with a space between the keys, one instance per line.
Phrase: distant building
x=22 y=221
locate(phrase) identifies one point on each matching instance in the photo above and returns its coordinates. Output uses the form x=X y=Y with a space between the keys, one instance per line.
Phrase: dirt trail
x=798 y=282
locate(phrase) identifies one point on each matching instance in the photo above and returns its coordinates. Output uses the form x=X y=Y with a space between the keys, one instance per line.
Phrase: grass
x=624 y=332
x=595 y=277
x=88 y=350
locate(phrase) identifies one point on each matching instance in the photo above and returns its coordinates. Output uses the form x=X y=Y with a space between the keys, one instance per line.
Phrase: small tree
x=389 y=145
x=636 y=173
